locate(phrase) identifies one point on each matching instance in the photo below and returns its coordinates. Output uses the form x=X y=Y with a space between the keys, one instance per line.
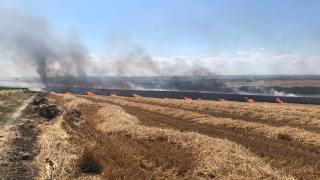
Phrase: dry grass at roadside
x=113 y=145
x=12 y=94
x=11 y=100
x=57 y=158
x=5 y=146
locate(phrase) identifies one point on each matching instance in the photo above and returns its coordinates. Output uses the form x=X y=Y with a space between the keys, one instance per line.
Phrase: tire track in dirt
x=20 y=147
x=18 y=112
x=294 y=158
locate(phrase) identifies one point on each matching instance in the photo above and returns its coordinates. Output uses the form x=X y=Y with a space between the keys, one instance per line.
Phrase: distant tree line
x=9 y=88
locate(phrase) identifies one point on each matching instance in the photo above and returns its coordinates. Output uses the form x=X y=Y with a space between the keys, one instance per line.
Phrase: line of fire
x=185 y=95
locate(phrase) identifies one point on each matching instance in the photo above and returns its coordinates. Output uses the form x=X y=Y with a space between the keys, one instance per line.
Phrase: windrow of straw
x=296 y=134
x=99 y=140
x=267 y=113
x=291 y=149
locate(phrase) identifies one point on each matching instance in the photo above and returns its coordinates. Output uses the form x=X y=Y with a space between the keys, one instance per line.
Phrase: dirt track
x=18 y=137
x=253 y=127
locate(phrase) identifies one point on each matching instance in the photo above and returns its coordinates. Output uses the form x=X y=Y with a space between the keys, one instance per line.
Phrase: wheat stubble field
x=103 y=137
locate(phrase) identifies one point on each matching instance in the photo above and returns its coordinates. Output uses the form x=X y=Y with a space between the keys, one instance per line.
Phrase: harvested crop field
x=104 y=137
x=147 y=138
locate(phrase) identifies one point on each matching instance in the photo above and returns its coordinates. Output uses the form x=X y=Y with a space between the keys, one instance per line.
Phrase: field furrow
x=294 y=134
x=116 y=144
x=266 y=113
x=291 y=149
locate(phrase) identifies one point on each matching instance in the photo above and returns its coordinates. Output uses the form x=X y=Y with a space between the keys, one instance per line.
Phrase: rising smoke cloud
x=30 y=40
x=124 y=57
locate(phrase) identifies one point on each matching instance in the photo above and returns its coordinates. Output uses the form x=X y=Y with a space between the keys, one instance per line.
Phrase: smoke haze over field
x=123 y=57
x=31 y=41
x=63 y=42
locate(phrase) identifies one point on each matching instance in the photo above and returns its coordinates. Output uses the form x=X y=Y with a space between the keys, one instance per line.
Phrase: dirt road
x=17 y=144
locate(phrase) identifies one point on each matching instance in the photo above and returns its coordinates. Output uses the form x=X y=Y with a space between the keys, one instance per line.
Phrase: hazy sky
x=227 y=36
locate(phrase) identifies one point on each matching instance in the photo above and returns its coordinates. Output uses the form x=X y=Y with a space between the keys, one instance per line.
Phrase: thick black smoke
x=31 y=41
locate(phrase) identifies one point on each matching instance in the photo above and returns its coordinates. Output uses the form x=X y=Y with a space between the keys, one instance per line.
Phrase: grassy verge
x=11 y=88
x=10 y=101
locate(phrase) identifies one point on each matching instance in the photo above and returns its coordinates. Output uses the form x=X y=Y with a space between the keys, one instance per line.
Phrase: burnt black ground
x=182 y=94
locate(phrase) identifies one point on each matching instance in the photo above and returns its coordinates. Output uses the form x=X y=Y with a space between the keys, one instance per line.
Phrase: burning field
x=114 y=137
x=153 y=102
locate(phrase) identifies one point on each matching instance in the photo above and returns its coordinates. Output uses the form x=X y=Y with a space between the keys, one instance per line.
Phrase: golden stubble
x=297 y=134
x=216 y=156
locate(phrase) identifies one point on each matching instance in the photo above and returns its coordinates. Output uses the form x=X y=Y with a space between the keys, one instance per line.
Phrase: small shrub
x=90 y=161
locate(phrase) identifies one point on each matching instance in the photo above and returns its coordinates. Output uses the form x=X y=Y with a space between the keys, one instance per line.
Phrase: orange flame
x=187 y=99
x=113 y=95
x=199 y=99
x=249 y=100
x=279 y=101
x=222 y=100
x=68 y=93
x=135 y=95
x=89 y=93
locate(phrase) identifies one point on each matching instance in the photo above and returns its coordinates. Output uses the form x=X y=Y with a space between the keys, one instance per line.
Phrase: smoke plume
x=31 y=40
x=124 y=57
